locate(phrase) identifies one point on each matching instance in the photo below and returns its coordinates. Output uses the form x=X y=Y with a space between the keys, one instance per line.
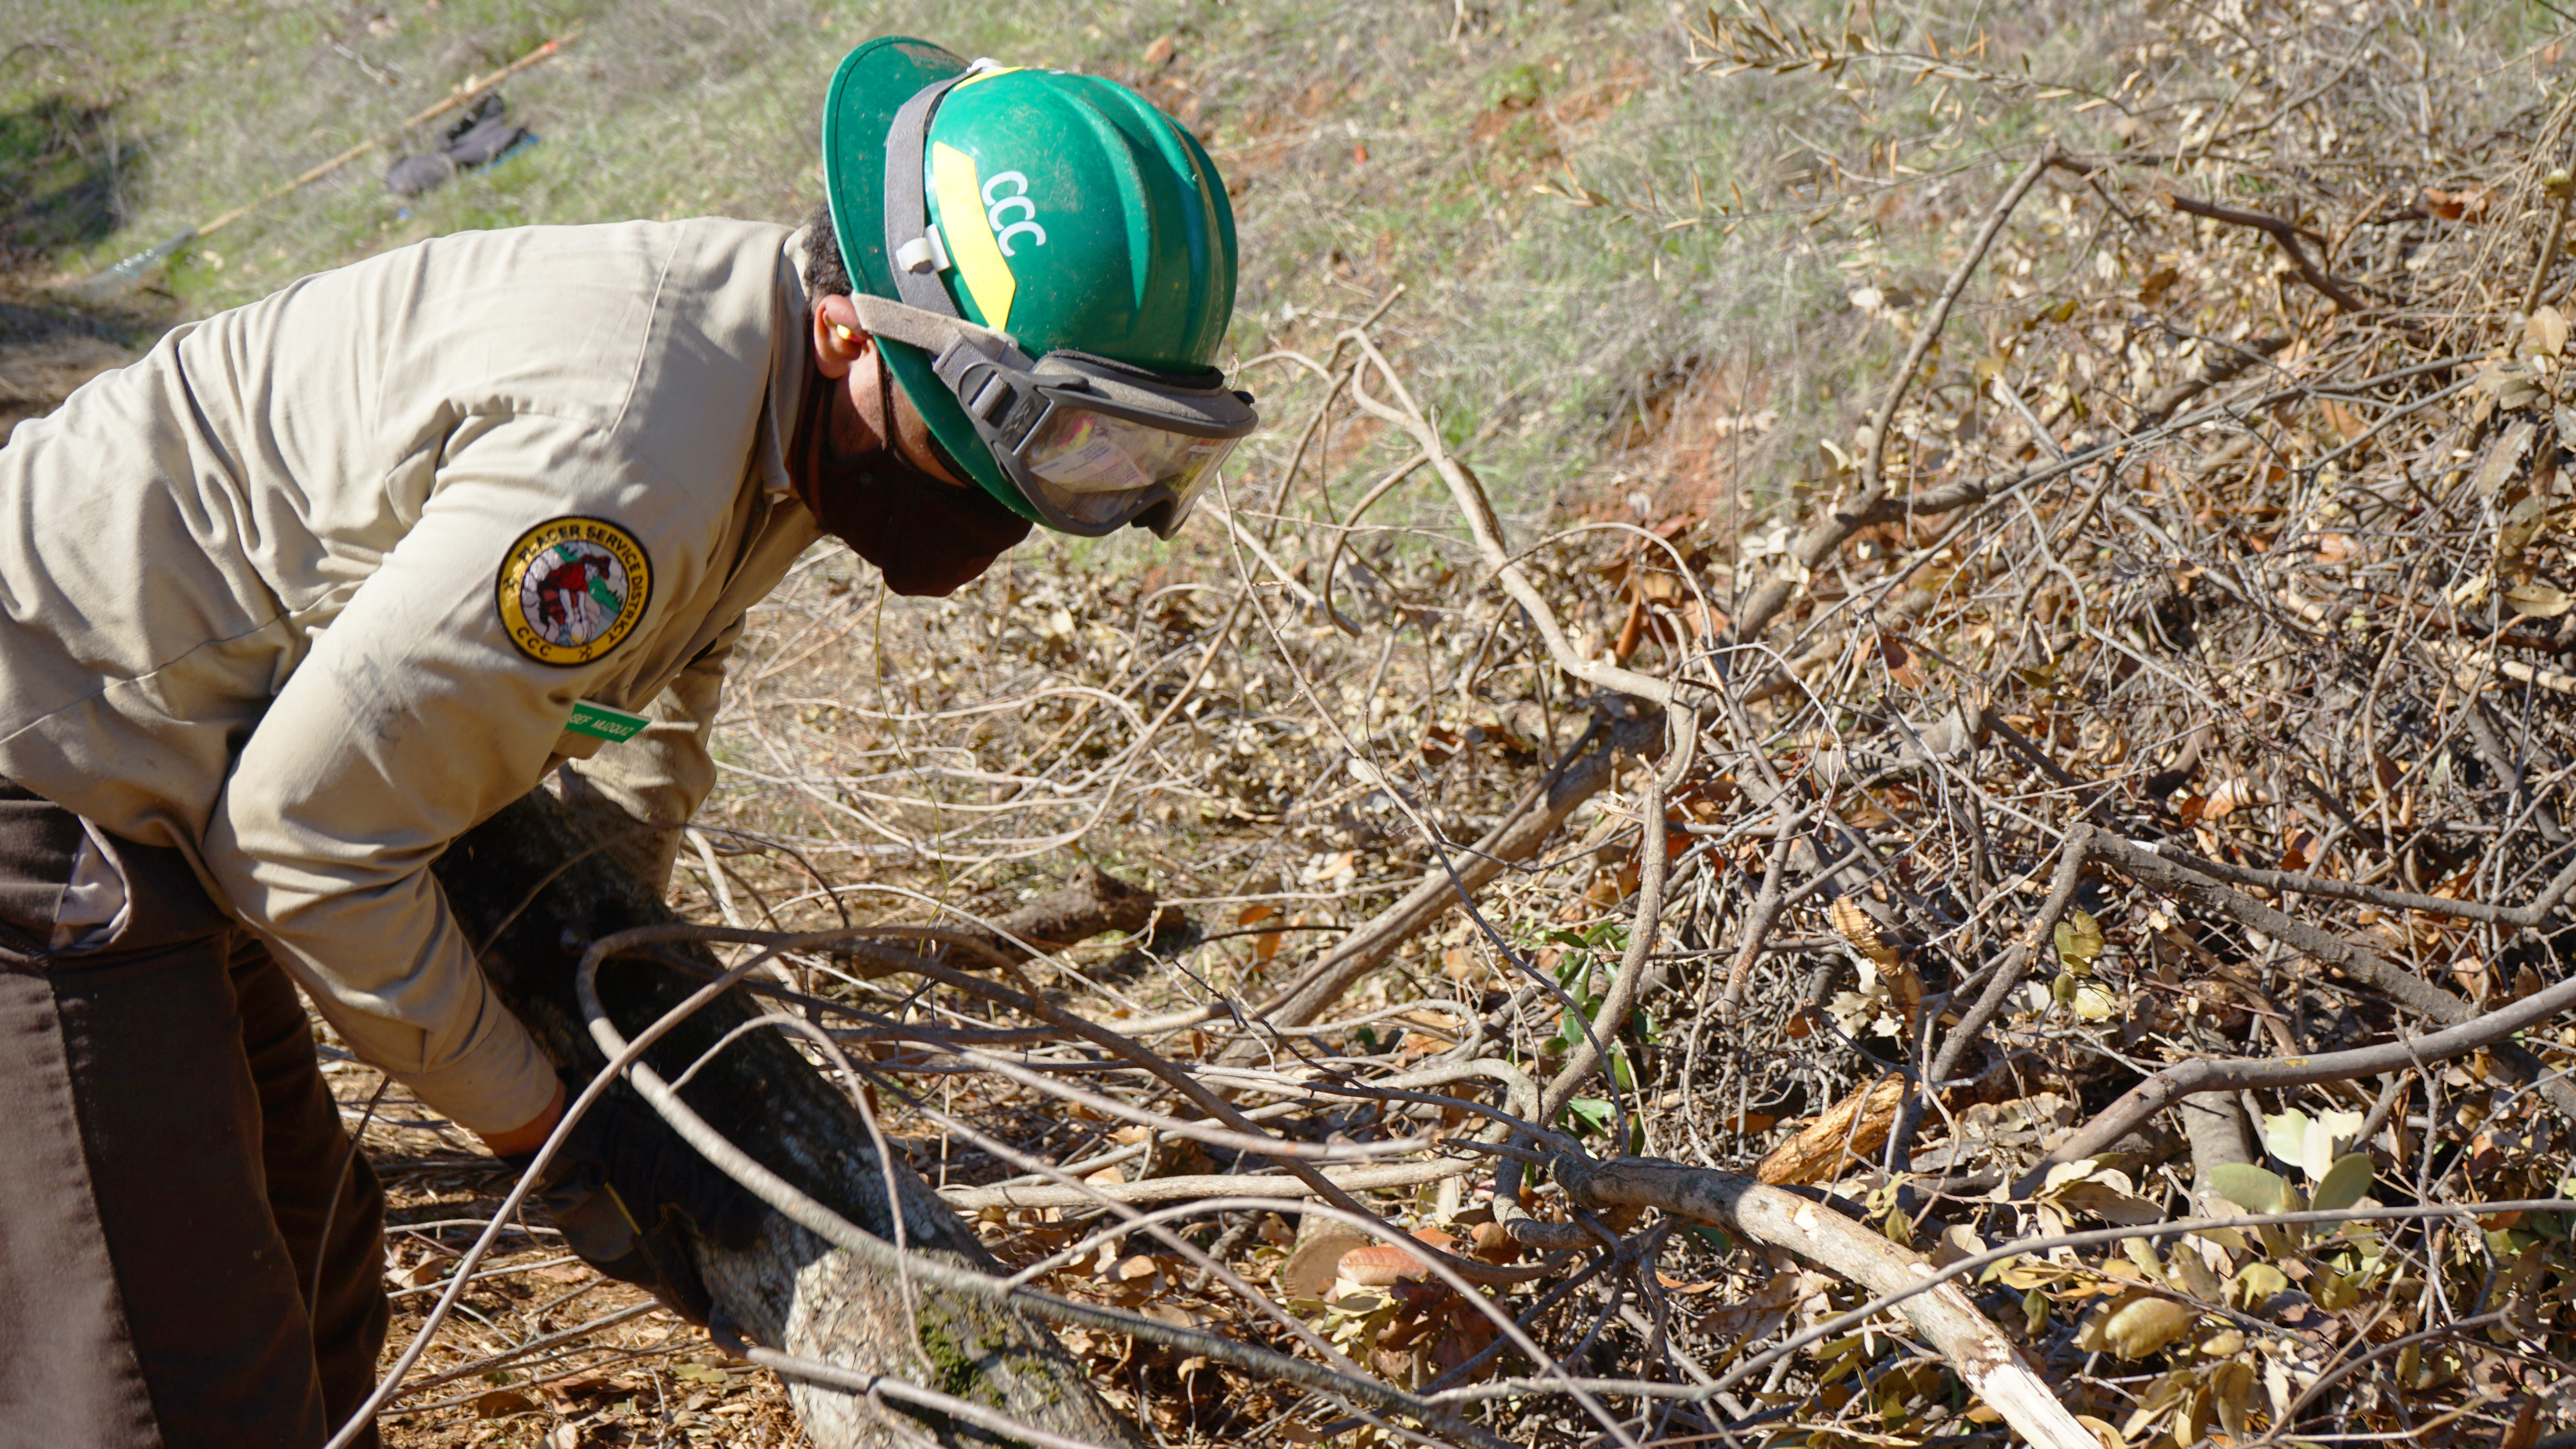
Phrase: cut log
x=534 y=887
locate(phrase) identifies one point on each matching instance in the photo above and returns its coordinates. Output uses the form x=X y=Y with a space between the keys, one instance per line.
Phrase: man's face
x=868 y=411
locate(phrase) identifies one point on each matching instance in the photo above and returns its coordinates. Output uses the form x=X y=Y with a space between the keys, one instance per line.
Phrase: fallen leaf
x=2524 y=1431
x=1380 y=1265
x=2545 y=333
x=2537 y=601
x=2257 y=1282
x=2464 y=205
x=1494 y=1243
x=1900 y=662
x=2136 y=1328
x=1857 y=928
x=2229 y=797
x=2102 y=1429
x=1310 y=1270
x=2079 y=940
x=2255 y=1189
x=1265 y=945
x=2512 y=385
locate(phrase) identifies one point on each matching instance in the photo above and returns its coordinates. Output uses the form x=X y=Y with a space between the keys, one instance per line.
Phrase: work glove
x=627 y=1193
x=482 y=137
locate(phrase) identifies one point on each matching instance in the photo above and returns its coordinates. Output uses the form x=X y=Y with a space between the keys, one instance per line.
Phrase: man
x=318 y=585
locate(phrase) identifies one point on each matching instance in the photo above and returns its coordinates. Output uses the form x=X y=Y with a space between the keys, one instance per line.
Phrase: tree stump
x=534 y=886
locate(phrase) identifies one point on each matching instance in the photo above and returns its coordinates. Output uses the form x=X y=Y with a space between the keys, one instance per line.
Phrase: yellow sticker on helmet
x=966 y=224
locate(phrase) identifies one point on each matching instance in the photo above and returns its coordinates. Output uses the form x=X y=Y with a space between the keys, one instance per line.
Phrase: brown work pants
x=191 y=1254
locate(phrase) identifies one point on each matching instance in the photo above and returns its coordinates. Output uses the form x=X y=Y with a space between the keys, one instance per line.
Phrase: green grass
x=1368 y=145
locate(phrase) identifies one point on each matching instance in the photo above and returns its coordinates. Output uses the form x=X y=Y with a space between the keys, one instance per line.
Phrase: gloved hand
x=627 y=1192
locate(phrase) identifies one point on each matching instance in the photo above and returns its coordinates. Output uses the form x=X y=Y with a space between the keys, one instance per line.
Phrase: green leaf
x=1591 y=1114
x=2344 y=1182
x=2255 y=1189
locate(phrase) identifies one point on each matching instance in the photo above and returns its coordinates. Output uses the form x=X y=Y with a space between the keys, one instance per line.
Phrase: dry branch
x=2169 y=1086
x=1516 y=838
x=2367 y=967
x=1984 y=1358
x=1096 y=902
x=2284 y=233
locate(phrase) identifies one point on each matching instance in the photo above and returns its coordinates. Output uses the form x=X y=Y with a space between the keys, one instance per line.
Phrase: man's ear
x=839 y=342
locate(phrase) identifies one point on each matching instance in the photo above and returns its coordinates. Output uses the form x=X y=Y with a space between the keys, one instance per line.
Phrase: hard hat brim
x=872 y=84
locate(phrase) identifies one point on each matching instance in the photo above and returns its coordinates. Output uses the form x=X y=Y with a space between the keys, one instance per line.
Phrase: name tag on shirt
x=600 y=722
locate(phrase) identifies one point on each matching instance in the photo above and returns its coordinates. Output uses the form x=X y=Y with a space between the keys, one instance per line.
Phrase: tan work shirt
x=315 y=586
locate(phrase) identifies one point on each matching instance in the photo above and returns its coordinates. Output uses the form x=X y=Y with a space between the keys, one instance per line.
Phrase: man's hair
x=824 y=274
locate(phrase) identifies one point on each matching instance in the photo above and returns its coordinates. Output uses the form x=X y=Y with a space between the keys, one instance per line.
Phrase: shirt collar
x=790 y=366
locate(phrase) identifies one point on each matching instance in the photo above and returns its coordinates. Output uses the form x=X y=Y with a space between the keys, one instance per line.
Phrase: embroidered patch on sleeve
x=572 y=589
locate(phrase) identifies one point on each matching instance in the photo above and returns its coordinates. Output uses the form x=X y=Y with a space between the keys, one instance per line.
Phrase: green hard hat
x=1075 y=217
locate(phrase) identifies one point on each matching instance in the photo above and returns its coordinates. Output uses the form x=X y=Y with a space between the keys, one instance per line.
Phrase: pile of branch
x=2074 y=934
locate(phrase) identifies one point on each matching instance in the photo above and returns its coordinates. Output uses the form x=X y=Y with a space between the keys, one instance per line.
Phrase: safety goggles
x=1091 y=443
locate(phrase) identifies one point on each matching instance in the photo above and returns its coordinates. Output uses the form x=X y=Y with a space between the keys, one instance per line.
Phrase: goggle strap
x=932 y=332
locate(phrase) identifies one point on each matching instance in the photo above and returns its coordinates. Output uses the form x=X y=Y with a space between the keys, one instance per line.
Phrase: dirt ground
x=595 y=1362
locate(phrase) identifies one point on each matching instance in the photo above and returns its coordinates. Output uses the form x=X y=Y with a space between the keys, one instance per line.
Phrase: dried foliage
x=2103 y=833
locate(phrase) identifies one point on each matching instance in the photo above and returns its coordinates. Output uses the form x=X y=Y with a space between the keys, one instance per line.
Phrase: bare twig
x=2280 y=231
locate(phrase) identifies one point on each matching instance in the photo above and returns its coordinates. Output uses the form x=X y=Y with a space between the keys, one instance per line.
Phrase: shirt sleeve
x=425 y=707
x=652 y=784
